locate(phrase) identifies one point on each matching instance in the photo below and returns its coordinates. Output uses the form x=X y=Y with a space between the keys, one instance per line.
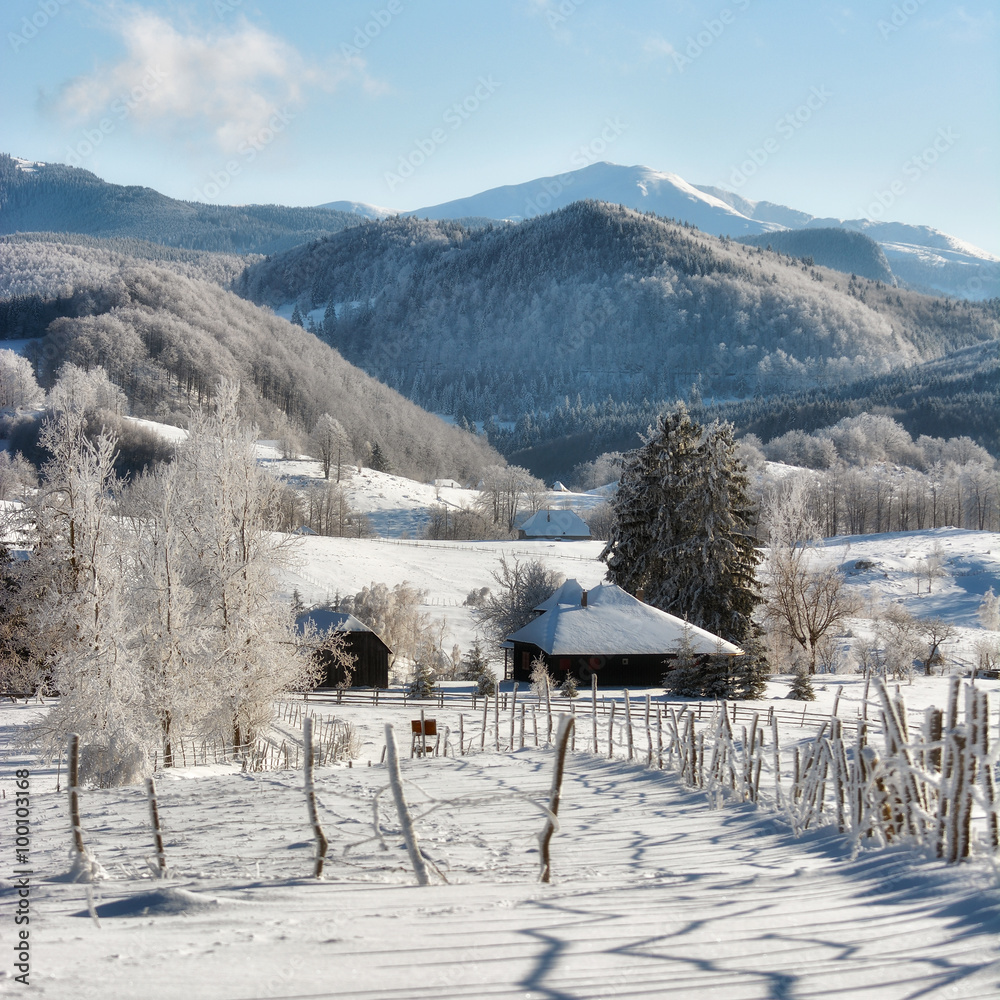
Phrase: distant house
x=608 y=632
x=554 y=524
x=451 y=484
x=371 y=654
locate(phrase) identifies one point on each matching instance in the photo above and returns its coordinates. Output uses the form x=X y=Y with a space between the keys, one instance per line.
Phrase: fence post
x=593 y=716
x=486 y=708
x=611 y=732
x=405 y=821
x=461 y=733
x=628 y=722
x=73 y=783
x=513 y=714
x=321 y=841
x=154 y=819
x=562 y=738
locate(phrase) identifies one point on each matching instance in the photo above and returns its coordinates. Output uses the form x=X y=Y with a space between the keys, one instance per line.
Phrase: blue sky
x=890 y=109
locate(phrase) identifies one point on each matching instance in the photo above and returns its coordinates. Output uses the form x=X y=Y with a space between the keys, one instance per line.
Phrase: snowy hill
x=925 y=258
x=637 y=187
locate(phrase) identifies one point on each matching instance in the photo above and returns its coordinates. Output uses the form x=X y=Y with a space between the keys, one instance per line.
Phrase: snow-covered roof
x=613 y=623
x=555 y=524
x=324 y=620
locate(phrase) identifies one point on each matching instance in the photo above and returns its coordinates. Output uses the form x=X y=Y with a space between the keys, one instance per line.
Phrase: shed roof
x=614 y=623
x=324 y=620
x=556 y=524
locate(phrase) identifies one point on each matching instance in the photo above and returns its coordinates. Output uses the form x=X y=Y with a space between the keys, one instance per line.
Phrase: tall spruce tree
x=683 y=527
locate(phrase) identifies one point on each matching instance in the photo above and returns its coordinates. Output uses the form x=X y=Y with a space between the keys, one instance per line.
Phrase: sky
x=889 y=110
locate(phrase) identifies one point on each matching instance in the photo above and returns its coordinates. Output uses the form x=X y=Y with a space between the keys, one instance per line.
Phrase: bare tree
x=521 y=587
x=329 y=440
x=804 y=601
x=936 y=632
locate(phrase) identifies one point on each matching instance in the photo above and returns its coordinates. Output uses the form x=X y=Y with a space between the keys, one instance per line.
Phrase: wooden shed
x=369 y=649
x=608 y=632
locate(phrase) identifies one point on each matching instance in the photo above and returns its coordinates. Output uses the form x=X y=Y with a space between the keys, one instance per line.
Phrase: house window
x=624 y=661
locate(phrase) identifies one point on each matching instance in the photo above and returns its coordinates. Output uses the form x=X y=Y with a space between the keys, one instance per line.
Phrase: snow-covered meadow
x=655 y=891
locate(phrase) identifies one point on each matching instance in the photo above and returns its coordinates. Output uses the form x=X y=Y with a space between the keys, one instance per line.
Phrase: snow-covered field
x=654 y=894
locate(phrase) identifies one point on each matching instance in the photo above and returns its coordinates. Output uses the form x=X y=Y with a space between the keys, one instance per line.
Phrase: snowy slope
x=654 y=895
x=637 y=187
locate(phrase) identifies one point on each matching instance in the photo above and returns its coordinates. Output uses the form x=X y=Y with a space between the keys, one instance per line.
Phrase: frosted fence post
x=628 y=721
x=461 y=733
x=572 y=739
x=534 y=723
x=593 y=715
x=513 y=715
x=611 y=732
x=982 y=749
x=73 y=784
x=486 y=708
x=649 y=736
x=548 y=708
x=544 y=839
x=522 y=725
x=154 y=819
x=496 y=720
x=405 y=821
x=307 y=756
x=659 y=738
x=422 y=752
x=777 y=762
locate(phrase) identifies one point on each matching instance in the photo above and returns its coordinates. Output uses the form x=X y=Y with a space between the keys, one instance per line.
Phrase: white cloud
x=228 y=83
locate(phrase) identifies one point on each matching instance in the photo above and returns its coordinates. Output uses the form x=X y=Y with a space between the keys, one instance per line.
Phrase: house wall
x=371 y=667
x=634 y=670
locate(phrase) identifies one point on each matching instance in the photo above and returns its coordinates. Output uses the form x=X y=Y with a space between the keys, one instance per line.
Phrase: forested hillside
x=954 y=396
x=598 y=301
x=52 y=197
x=838 y=249
x=167 y=338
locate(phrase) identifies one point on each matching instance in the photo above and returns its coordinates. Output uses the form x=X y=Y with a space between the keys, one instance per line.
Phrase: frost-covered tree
x=330 y=444
x=683 y=530
x=989 y=611
x=82 y=569
x=806 y=601
x=251 y=648
x=18 y=385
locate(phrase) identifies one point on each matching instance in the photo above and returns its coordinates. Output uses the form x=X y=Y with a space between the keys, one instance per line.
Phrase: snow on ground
x=884 y=568
x=654 y=894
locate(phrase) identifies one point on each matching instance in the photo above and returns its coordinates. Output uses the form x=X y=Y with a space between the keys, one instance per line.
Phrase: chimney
x=640 y=595
x=583 y=599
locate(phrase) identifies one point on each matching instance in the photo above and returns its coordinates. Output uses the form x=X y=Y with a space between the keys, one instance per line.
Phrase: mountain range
x=596 y=303
x=922 y=257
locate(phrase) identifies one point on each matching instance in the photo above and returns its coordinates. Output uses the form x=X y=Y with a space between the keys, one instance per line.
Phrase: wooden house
x=550 y=524
x=370 y=652
x=608 y=632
